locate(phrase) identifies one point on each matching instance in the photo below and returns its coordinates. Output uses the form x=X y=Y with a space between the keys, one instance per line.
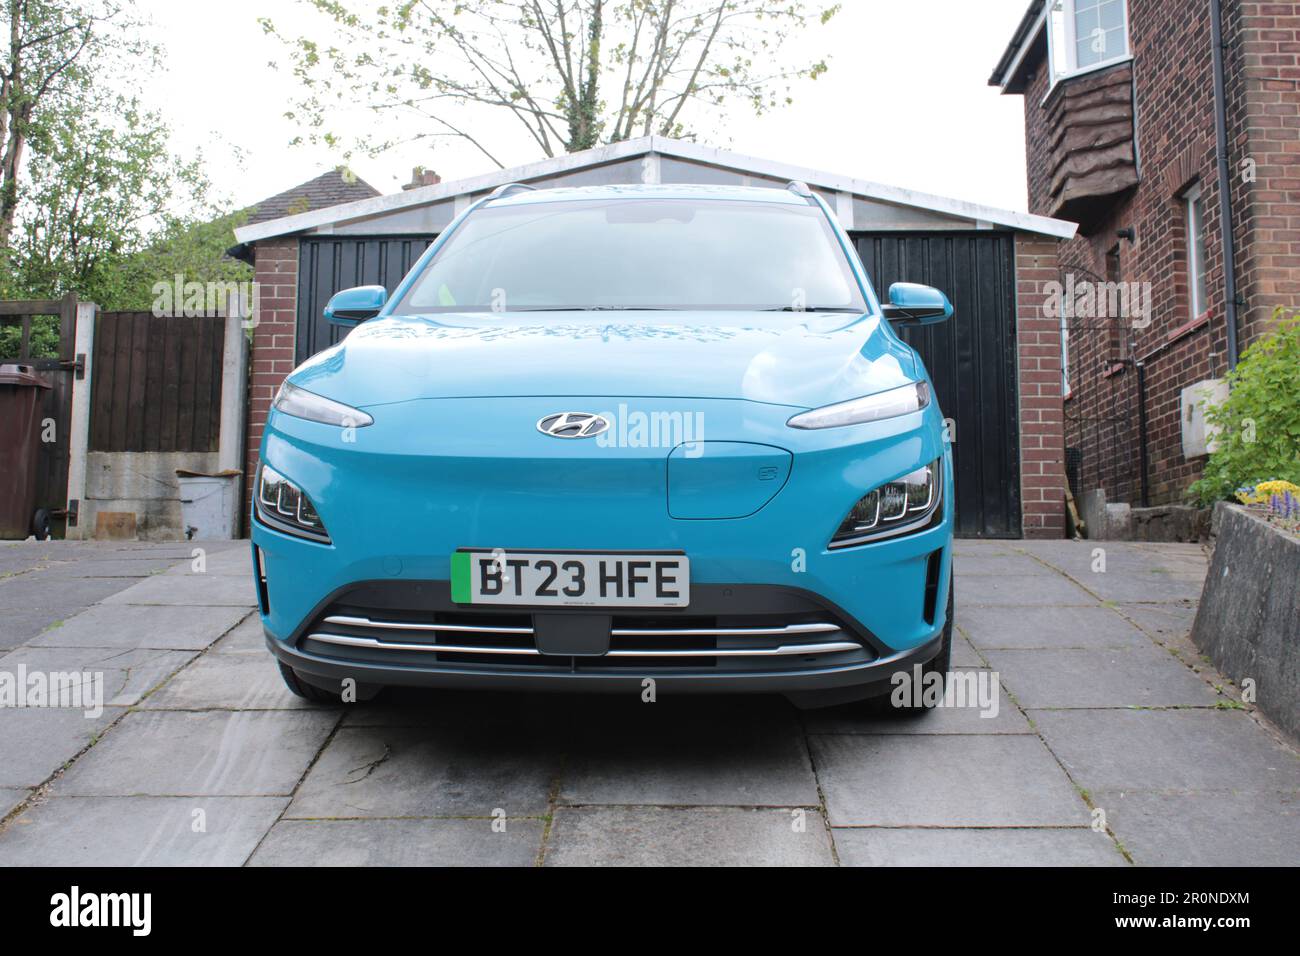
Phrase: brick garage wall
x=275 y=270
x=1038 y=344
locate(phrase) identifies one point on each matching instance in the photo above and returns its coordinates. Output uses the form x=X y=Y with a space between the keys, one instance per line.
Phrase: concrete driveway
x=1114 y=742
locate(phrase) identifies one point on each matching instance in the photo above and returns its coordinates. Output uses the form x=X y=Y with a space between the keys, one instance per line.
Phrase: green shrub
x=1259 y=424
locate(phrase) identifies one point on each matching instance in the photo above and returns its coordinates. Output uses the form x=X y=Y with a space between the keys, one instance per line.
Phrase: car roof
x=769 y=194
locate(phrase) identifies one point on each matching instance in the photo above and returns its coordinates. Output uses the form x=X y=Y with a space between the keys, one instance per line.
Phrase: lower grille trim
x=783 y=650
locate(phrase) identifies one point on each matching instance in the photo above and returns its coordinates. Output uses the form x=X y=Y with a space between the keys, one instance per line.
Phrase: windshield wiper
x=814 y=308
x=594 y=308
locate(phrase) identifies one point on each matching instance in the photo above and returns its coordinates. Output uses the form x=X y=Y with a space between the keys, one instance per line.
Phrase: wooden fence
x=156 y=384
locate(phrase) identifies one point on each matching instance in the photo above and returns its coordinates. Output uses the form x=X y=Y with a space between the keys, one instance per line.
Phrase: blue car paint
x=432 y=473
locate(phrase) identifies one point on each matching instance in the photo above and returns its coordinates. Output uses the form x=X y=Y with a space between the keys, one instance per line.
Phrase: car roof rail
x=508 y=188
x=799 y=188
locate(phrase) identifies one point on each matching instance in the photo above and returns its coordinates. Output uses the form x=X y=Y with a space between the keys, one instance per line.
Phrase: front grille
x=782 y=633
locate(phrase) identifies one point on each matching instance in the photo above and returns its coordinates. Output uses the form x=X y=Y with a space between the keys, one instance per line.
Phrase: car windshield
x=675 y=254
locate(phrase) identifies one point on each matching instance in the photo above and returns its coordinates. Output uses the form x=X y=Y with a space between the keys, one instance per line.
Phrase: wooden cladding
x=1091 y=148
x=156 y=383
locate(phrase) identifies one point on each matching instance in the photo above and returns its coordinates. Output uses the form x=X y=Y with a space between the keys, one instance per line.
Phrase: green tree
x=1259 y=424
x=103 y=201
x=55 y=48
x=574 y=73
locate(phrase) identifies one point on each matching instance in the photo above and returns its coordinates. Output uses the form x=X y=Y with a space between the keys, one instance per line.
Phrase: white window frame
x=1195 y=267
x=1071 y=67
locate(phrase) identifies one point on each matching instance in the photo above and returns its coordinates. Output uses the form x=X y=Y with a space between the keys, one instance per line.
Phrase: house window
x=1085 y=35
x=1194 y=222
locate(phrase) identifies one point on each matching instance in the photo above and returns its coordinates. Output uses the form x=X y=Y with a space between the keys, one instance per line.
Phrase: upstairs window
x=1085 y=35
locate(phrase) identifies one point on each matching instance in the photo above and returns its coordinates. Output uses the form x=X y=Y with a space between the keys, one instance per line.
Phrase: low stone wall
x=1249 y=617
x=135 y=495
x=1122 y=522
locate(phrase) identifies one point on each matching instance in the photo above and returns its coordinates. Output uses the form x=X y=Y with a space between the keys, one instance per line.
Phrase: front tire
x=305 y=690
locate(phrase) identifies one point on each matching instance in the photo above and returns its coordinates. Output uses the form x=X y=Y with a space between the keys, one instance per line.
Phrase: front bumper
x=396 y=512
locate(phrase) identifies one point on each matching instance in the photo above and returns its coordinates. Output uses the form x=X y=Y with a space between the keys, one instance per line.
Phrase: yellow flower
x=1267 y=489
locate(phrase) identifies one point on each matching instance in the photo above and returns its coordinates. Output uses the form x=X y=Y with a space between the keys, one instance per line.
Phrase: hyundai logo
x=573 y=425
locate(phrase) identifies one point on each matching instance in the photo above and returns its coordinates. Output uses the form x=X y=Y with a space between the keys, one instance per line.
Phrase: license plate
x=571 y=579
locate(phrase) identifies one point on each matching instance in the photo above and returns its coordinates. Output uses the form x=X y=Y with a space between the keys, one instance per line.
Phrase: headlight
x=907 y=504
x=301 y=403
x=282 y=505
x=873 y=408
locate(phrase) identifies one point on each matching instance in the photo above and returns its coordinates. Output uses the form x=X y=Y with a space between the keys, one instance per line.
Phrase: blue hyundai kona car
x=603 y=437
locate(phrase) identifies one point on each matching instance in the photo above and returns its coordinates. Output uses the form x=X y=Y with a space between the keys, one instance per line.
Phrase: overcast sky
x=905 y=103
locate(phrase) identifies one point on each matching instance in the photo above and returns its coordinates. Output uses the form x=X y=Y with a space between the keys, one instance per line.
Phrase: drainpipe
x=1144 y=495
x=1225 y=199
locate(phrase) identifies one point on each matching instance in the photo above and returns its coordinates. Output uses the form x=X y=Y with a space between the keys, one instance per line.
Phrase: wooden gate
x=41 y=333
x=156 y=383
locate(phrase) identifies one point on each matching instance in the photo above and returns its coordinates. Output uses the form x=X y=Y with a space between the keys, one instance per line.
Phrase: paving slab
x=37 y=741
x=1167 y=750
x=1142 y=586
x=230 y=562
x=1008 y=565
x=399 y=843
x=368 y=772
x=229 y=682
x=106 y=566
x=1071 y=677
x=247 y=637
x=742 y=751
x=37 y=589
x=10 y=798
x=138 y=831
x=1205 y=829
x=878 y=846
x=975 y=590
x=179 y=753
x=1162 y=621
x=210 y=590
x=190 y=628
x=1030 y=627
x=20 y=625
x=992 y=780
x=128 y=673
x=963 y=654
x=717 y=836
x=855 y=719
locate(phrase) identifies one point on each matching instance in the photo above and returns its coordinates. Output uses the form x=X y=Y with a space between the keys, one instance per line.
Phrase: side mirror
x=353 y=306
x=913 y=304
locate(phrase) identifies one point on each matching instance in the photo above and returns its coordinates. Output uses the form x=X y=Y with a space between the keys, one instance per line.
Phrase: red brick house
x=1170 y=131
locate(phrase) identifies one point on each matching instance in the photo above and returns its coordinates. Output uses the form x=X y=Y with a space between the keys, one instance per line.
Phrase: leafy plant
x=1259 y=424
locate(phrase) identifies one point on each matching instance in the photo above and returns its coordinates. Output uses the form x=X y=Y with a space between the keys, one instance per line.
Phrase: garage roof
x=859 y=203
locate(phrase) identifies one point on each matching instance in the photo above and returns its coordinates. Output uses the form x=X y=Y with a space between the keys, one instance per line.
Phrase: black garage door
x=971 y=359
x=327 y=265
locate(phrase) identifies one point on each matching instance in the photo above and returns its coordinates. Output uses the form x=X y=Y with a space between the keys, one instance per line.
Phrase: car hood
x=798 y=359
